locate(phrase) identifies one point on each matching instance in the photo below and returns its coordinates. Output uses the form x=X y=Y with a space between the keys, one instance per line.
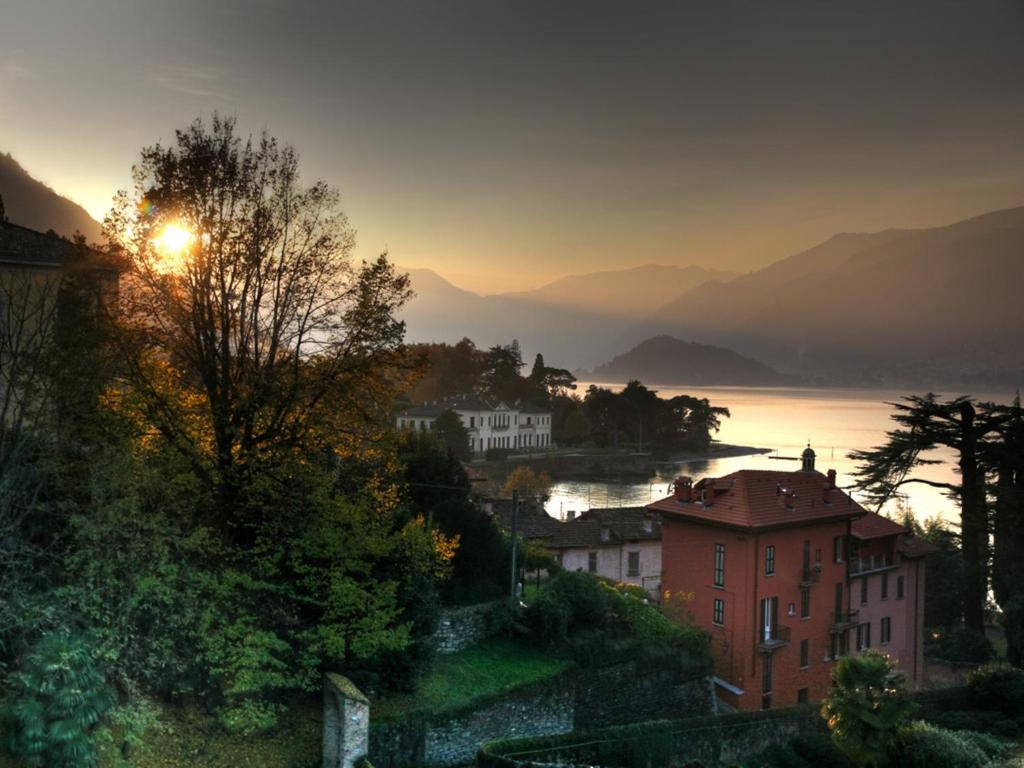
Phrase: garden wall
x=454 y=738
x=580 y=699
x=459 y=628
x=708 y=741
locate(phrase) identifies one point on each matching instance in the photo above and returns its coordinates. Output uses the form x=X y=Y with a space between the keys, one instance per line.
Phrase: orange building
x=760 y=558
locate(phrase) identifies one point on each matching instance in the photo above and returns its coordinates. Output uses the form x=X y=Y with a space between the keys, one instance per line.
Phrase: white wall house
x=623 y=544
x=490 y=424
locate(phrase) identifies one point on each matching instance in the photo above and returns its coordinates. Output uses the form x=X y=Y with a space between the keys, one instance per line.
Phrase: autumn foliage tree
x=244 y=314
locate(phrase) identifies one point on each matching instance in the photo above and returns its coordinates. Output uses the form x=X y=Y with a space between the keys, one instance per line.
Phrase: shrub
x=866 y=706
x=957 y=644
x=57 y=696
x=998 y=688
x=923 y=745
x=966 y=720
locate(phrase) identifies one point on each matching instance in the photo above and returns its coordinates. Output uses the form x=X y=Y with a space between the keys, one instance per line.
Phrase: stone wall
x=460 y=628
x=637 y=690
x=454 y=738
x=584 y=699
x=708 y=741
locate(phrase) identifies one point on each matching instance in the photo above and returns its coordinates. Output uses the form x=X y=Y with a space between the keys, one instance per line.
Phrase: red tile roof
x=758 y=499
x=874 y=526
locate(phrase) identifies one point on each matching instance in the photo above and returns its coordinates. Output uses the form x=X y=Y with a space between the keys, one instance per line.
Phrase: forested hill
x=668 y=360
x=32 y=204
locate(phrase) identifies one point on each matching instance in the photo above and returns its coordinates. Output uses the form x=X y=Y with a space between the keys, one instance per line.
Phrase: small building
x=490 y=423
x=772 y=565
x=622 y=543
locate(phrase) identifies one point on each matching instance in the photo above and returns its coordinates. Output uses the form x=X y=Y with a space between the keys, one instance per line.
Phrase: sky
x=505 y=144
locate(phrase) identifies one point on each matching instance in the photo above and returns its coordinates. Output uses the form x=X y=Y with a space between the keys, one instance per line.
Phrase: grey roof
x=531 y=408
x=25 y=247
x=470 y=402
x=532 y=522
x=593 y=529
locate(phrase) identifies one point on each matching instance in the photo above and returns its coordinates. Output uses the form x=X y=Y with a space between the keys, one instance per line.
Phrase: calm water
x=835 y=421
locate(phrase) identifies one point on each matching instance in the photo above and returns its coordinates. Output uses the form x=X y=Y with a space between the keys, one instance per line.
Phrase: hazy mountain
x=33 y=204
x=930 y=305
x=630 y=292
x=568 y=337
x=667 y=360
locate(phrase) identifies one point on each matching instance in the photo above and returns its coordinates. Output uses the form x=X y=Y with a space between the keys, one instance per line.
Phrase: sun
x=171 y=245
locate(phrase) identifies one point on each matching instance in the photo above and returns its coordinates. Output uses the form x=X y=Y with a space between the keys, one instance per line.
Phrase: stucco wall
x=613 y=562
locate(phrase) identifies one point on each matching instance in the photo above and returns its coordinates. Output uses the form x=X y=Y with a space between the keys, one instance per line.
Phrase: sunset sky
x=507 y=144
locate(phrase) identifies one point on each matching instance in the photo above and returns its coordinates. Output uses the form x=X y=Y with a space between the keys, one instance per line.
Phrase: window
x=766 y=677
x=863 y=636
x=885 y=586
x=769 y=560
x=839 y=549
x=805 y=603
x=899 y=587
x=886 y=631
x=807 y=554
x=633 y=566
x=864 y=591
x=817 y=556
x=805 y=653
x=719 y=565
x=801 y=696
x=592 y=562
x=472 y=421
x=718 y=616
x=766 y=702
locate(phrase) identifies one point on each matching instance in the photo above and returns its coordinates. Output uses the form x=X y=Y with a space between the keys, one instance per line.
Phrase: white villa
x=490 y=424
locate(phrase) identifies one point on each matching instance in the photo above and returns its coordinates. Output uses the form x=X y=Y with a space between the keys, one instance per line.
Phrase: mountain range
x=927 y=307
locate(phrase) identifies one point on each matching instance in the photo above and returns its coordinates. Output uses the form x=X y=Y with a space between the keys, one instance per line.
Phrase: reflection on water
x=784 y=420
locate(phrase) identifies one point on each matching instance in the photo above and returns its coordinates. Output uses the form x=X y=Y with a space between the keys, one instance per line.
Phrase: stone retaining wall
x=460 y=628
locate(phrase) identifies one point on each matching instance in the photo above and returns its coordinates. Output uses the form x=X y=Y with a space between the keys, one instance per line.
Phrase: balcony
x=842 y=621
x=772 y=638
x=862 y=566
x=810 y=576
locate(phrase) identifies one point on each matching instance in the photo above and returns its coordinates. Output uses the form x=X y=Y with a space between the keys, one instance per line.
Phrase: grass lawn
x=454 y=680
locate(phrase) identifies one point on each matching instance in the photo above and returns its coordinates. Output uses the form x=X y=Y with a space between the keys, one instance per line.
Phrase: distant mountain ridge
x=32 y=204
x=575 y=332
x=667 y=360
x=629 y=292
x=936 y=305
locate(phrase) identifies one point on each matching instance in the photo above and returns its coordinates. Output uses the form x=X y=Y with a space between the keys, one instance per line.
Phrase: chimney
x=831 y=478
x=709 y=492
x=570 y=515
x=790 y=498
x=683 y=489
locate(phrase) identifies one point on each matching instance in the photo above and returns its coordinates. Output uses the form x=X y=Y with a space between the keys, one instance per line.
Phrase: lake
x=784 y=420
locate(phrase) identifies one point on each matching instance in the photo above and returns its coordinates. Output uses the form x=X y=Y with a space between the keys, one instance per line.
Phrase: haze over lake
x=783 y=420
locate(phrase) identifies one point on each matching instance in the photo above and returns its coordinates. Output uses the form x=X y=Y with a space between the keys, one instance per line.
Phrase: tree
x=866 y=707
x=925 y=424
x=236 y=344
x=501 y=378
x=450 y=433
x=528 y=483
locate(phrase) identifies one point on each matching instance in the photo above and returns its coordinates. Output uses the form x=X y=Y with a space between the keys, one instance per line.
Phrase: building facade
x=762 y=561
x=490 y=424
x=622 y=544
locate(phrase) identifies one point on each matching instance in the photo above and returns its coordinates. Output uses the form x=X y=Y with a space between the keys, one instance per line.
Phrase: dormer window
x=606 y=534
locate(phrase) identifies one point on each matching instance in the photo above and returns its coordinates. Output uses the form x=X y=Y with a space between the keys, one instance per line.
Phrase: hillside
x=34 y=205
x=667 y=360
x=629 y=292
x=932 y=306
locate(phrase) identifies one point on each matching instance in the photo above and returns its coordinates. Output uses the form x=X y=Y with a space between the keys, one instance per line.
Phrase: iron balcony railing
x=770 y=638
x=843 y=620
x=862 y=565
x=809 y=576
